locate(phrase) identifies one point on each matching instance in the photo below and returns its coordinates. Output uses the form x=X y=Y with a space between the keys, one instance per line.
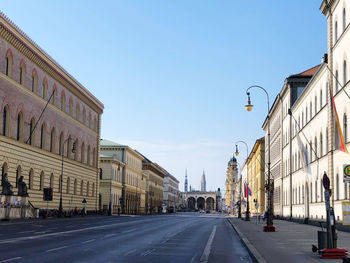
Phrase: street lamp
x=240 y=188
x=269 y=226
x=247 y=218
x=60 y=208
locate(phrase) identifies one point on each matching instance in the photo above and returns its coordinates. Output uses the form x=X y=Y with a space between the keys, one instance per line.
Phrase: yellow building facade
x=256 y=177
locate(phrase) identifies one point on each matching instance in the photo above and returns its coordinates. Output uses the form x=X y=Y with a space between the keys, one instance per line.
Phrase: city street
x=181 y=237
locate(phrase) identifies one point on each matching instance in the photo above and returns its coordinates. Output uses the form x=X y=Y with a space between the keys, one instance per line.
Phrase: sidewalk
x=290 y=243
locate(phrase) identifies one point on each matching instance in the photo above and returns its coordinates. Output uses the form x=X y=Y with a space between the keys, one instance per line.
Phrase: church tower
x=186 y=182
x=203 y=183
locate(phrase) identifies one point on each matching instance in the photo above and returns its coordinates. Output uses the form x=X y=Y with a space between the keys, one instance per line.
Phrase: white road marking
x=19 y=239
x=130 y=252
x=88 y=241
x=128 y=231
x=11 y=259
x=54 y=249
x=41 y=232
x=206 y=252
x=24 y=232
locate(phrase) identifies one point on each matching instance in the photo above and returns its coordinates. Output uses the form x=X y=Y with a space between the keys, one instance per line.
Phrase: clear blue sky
x=172 y=74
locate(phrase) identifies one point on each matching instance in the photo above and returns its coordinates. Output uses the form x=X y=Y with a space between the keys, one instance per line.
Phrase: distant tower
x=203 y=183
x=186 y=182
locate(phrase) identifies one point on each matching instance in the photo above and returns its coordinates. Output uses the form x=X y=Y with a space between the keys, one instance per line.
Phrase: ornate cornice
x=17 y=38
x=326 y=6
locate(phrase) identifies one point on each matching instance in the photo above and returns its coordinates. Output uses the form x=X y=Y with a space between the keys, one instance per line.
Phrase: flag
x=247 y=190
x=304 y=156
x=338 y=128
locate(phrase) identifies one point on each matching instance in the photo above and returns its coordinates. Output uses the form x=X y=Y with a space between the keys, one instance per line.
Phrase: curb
x=251 y=249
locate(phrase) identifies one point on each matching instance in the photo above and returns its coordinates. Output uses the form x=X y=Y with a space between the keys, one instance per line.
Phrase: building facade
x=308 y=119
x=154 y=186
x=171 y=192
x=256 y=177
x=34 y=141
x=133 y=180
x=230 y=185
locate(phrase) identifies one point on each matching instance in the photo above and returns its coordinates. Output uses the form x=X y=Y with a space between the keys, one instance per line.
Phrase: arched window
x=9 y=62
x=63 y=101
x=54 y=97
x=101 y=173
x=88 y=156
x=336 y=31
x=84 y=115
x=344 y=73
x=87 y=188
x=310 y=192
x=75 y=186
x=306 y=114
x=6 y=121
x=311 y=153
x=3 y=172
x=82 y=153
x=344 y=19
x=43 y=136
x=52 y=139
x=302 y=118
x=321 y=99
x=345 y=127
x=69 y=147
x=310 y=111
x=94 y=157
x=20 y=126
x=321 y=144
x=93 y=189
x=68 y=185
x=42 y=181
x=89 y=124
x=95 y=124
x=76 y=152
x=60 y=180
x=316 y=152
x=34 y=80
x=321 y=190
x=45 y=89
x=327 y=87
x=22 y=73
x=337 y=186
x=70 y=106
x=316 y=191
x=336 y=81
x=77 y=111
x=81 y=187
x=315 y=105
x=30 y=181
x=18 y=174
x=52 y=180
x=327 y=141
x=31 y=131
x=61 y=142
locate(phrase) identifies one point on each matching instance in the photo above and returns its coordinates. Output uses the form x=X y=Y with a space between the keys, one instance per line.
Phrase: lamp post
x=247 y=217
x=269 y=226
x=60 y=208
x=240 y=193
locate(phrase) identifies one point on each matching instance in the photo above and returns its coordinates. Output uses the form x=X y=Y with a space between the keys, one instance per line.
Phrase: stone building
x=132 y=197
x=154 y=186
x=171 y=191
x=304 y=112
x=34 y=141
x=230 y=185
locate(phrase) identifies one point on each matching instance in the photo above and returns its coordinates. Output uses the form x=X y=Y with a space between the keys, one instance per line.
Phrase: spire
x=203 y=183
x=186 y=182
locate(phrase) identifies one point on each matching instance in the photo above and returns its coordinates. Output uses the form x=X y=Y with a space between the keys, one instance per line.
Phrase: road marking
x=109 y=235
x=88 y=241
x=130 y=252
x=23 y=232
x=206 y=252
x=11 y=259
x=128 y=231
x=19 y=239
x=41 y=232
x=54 y=249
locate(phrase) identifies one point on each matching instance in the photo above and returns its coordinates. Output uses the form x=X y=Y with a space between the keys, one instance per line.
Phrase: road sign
x=346 y=213
x=346 y=173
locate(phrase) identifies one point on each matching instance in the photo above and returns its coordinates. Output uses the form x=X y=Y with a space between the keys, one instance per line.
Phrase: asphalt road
x=181 y=237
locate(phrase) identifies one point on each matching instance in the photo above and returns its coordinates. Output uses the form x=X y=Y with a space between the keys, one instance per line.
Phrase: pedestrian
x=75 y=210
